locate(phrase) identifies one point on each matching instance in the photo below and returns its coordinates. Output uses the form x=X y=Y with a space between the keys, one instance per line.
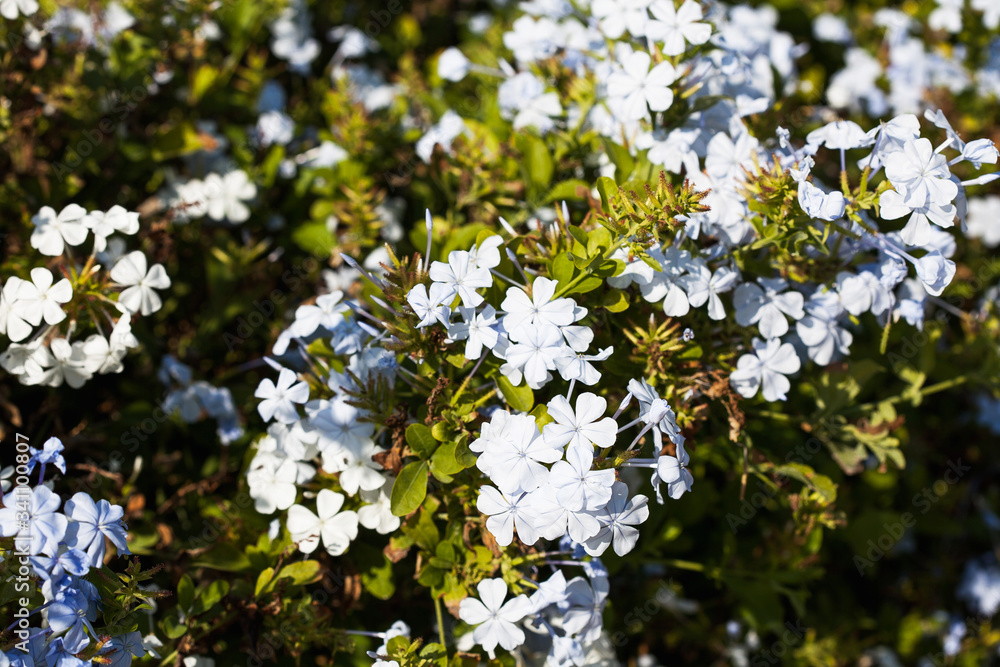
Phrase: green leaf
x=224 y=557
x=588 y=284
x=173 y=142
x=444 y=461
x=410 y=488
x=263 y=581
x=173 y=629
x=315 y=238
x=520 y=398
x=541 y=415
x=821 y=484
x=571 y=189
x=608 y=189
x=620 y=157
x=301 y=573
x=441 y=431
x=537 y=162
x=615 y=301
x=202 y=80
x=378 y=580
x=420 y=440
x=562 y=269
x=210 y=597
x=185 y=593
x=423 y=531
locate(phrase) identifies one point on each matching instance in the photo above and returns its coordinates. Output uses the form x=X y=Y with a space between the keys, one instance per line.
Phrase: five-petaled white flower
x=496 y=622
x=618 y=520
x=461 y=276
x=636 y=88
x=674 y=26
x=767 y=367
x=584 y=427
x=54 y=232
x=334 y=527
x=138 y=297
x=279 y=399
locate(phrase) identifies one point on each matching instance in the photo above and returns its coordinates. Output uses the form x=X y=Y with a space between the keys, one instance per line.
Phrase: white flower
x=15 y=320
x=917 y=231
x=767 y=306
x=358 y=470
x=117 y=219
x=841 y=134
x=40 y=299
x=728 y=157
x=534 y=355
x=704 y=286
x=552 y=519
x=328 y=312
x=576 y=486
x=139 y=297
x=225 y=195
x=820 y=331
x=53 y=232
x=279 y=399
x=585 y=616
x=767 y=367
x=486 y=255
x=452 y=65
x=478 y=330
x=578 y=367
x=461 y=277
x=377 y=514
x=523 y=96
x=675 y=26
x=827 y=206
x=618 y=520
x=584 y=427
x=339 y=424
x=69 y=363
x=516 y=453
x=667 y=284
x=935 y=272
x=636 y=87
x=447 y=129
x=538 y=310
x=983 y=221
x=272 y=483
x=495 y=621
x=9 y=9
x=920 y=175
x=862 y=292
x=672 y=471
x=505 y=514
x=334 y=527
x=428 y=306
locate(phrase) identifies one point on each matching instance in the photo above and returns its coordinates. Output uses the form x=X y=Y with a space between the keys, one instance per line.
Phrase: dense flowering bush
x=525 y=333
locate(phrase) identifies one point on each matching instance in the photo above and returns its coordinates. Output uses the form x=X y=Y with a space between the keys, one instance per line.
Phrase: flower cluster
x=42 y=314
x=66 y=550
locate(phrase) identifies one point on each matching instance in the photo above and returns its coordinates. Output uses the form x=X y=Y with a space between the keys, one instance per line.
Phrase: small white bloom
x=130 y=272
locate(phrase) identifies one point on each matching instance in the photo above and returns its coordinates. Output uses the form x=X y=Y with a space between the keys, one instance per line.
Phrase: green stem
x=926 y=391
x=440 y=620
